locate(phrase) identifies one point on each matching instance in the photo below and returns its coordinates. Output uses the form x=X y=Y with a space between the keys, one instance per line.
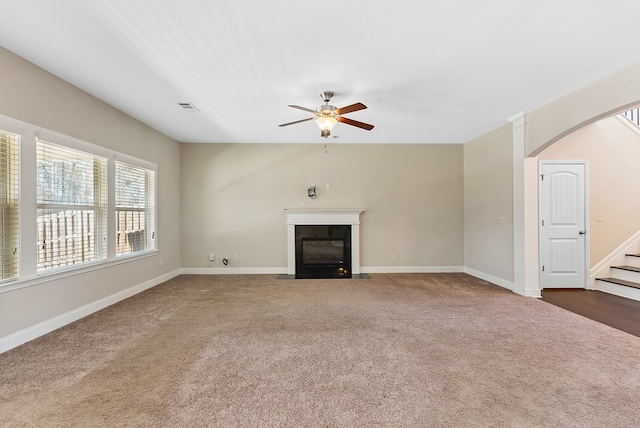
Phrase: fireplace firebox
x=323 y=251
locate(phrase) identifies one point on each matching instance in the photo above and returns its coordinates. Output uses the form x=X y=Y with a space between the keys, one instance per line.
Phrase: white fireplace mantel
x=321 y=217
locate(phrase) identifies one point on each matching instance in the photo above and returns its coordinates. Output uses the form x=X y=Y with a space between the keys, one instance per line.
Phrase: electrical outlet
x=395 y=256
x=212 y=257
x=236 y=256
x=161 y=262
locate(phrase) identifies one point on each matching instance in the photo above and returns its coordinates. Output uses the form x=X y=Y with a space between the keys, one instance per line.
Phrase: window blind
x=9 y=205
x=135 y=208
x=72 y=203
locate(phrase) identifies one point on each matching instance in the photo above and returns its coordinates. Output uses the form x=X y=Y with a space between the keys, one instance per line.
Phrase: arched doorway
x=534 y=132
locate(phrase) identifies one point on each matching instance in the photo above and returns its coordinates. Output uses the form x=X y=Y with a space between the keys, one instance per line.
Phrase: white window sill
x=61 y=273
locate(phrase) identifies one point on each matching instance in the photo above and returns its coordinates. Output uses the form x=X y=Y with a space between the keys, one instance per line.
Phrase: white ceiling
x=429 y=71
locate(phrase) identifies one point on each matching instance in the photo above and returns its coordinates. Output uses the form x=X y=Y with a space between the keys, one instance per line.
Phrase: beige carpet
x=413 y=350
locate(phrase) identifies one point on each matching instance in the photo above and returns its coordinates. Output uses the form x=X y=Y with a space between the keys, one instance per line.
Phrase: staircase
x=624 y=280
x=633 y=115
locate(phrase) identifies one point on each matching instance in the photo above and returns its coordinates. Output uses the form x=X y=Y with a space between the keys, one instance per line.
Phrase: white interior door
x=563 y=233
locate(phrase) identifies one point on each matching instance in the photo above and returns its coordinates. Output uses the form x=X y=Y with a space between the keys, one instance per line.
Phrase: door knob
x=582 y=232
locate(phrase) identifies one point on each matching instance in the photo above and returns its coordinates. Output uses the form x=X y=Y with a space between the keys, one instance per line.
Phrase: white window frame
x=10 y=206
x=70 y=234
x=134 y=241
x=28 y=274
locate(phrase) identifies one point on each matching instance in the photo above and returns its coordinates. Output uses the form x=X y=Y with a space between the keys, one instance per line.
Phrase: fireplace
x=331 y=244
x=323 y=251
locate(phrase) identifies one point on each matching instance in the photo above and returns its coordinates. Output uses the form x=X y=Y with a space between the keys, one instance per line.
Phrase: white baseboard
x=283 y=270
x=490 y=278
x=234 y=271
x=533 y=292
x=363 y=269
x=410 y=269
x=40 y=329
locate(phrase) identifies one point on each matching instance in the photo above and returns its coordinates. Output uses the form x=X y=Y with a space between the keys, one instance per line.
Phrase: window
x=135 y=209
x=71 y=198
x=87 y=206
x=9 y=197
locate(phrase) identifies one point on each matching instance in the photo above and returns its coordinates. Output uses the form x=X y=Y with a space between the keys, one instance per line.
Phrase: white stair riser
x=633 y=261
x=626 y=275
x=618 y=290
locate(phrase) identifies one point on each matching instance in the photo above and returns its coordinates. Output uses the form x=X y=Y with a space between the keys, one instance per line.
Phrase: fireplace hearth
x=323 y=251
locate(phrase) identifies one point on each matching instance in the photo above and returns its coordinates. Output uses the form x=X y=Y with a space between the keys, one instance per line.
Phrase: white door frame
x=587 y=240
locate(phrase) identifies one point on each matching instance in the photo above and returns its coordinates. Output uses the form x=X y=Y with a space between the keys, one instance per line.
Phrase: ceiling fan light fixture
x=326 y=123
x=327 y=115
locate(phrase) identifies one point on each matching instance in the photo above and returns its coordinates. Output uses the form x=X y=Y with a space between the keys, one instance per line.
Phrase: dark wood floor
x=615 y=311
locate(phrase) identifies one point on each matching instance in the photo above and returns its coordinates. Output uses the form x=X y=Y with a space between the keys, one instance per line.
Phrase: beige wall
x=488 y=195
x=543 y=127
x=233 y=196
x=32 y=95
x=435 y=205
x=601 y=98
x=612 y=148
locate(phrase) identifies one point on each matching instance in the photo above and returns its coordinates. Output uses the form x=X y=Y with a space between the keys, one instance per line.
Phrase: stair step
x=633 y=259
x=620 y=282
x=629 y=268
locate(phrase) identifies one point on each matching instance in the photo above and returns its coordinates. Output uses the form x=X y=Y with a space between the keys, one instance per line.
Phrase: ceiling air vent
x=188 y=106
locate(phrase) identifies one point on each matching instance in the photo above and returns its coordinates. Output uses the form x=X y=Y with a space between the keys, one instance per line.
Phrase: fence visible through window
x=65 y=237
x=8 y=242
x=131 y=233
x=74 y=217
x=134 y=206
x=71 y=200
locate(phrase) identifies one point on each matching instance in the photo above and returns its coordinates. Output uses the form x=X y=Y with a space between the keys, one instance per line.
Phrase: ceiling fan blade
x=298 y=121
x=352 y=107
x=355 y=123
x=302 y=108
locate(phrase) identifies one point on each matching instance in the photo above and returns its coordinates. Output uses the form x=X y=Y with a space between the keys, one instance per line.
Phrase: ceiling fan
x=326 y=115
